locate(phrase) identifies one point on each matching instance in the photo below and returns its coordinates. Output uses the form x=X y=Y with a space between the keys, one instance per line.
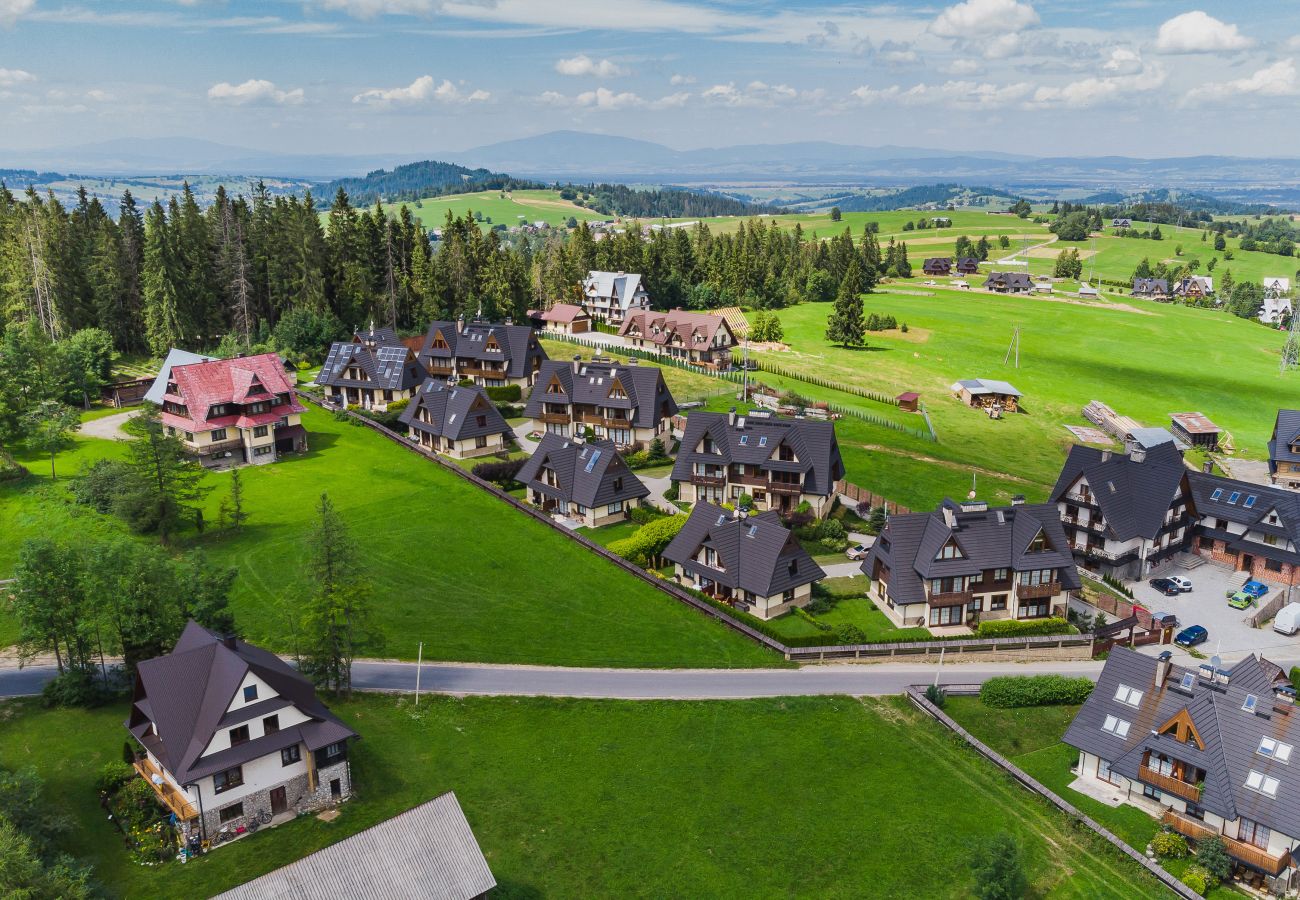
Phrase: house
x=587 y=481
x=458 y=420
x=699 y=338
x=1284 y=449
x=1088 y=291
x=1248 y=527
x=1276 y=310
x=174 y=358
x=1009 y=282
x=986 y=393
x=779 y=462
x=1193 y=429
x=1194 y=287
x=968 y=265
x=750 y=561
x=371 y=371
x=1276 y=286
x=937 y=265
x=1121 y=223
x=1151 y=288
x=624 y=403
x=227 y=730
x=232 y=411
x=490 y=354
x=566 y=318
x=966 y=562
x=125 y=391
x=610 y=296
x=430 y=846
x=1206 y=750
x=1124 y=513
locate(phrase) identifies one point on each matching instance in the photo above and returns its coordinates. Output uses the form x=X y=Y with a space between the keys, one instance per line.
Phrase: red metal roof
x=244 y=379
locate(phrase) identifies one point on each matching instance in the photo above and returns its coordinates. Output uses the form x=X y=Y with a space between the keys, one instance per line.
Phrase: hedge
x=1018 y=628
x=502 y=473
x=506 y=393
x=649 y=541
x=1007 y=691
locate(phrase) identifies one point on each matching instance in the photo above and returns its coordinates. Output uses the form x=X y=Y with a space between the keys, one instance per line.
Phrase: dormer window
x=950 y=550
x=1039 y=544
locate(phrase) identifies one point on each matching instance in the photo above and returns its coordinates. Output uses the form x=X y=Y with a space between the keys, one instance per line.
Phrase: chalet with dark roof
x=621 y=402
x=1208 y=750
x=968 y=265
x=1151 y=288
x=967 y=562
x=1121 y=222
x=1009 y=283
x=698 y=338
x=371 y=371
x=752 y=562
x=779 y=462
x=1284 y=449
x=1194 y=287
x=1248 y=527
x=587 y=481
x=457 y=420
x=937 y=265
x=226 y=730
x=492 y=355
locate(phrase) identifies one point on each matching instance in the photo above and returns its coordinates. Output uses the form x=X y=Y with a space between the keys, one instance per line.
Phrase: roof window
x=1250 y=501
x=1265 y=784
x=1274 y=749
x=1234 y=496
x=1250 y=703
x=1116 y=726
x=1126 y=694
x=1218 y=492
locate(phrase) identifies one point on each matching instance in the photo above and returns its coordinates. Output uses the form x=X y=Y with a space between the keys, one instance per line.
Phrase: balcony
x=439 y=368
x=167 y=795
x=753 y=480
x=553 y=418
x=481 y=372
x=712 y=480
x=1037 y=591
x=1238 y=850
x=605 y=421
x=1170 y=785
x=951 y=598
x=785 y=487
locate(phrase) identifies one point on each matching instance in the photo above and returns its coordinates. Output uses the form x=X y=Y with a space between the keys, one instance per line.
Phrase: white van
x=1287 y=620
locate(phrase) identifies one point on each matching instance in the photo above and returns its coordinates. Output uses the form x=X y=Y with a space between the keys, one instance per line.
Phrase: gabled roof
x=185 y=695
x=1134 y=496
x=758 y=554
x=754 y=440
x=1214 y=707
x=696 y=329
x=515 y=345
x=1150 y=285
x=1286 y=431
x=1010 y=279
x=1227 y=498
x=587 y=472
x=619 y=286
x=375 y=336
x=244 y=379
x=387 y=366
x=174 y=358
x=564 y=313
x=454 y=412
x=648 y=398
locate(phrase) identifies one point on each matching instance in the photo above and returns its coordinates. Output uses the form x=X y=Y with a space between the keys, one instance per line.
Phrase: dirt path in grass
x=947 y=464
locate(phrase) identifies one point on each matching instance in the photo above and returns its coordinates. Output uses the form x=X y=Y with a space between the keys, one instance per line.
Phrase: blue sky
x=1136 y=77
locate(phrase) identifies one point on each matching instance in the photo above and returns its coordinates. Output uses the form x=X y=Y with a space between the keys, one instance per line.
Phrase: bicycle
x=259 y=819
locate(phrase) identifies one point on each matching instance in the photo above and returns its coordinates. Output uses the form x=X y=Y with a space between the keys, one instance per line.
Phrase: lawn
x=574 y=798
x=851 y=609
x=450 y=565
x=507 y=209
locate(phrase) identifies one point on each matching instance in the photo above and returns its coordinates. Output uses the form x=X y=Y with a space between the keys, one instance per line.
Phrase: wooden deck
x=167 y=795
x=1239 y=850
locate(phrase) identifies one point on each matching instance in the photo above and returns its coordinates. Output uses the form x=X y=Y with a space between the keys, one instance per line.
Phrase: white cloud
x=681 y=79
x=1003 y=46
x=899 y=55
x=605 y=99
x=1123 y=61
x=582 y=64
x=367 y=9
x=11 y=77
x=671 y=101
x=963 y=67
x=759 y=93
x=1277 y=80
x=421 y=90
x=964 y=94
x=983 y=17
x=12 y=10
x=253 y=91
x=99 y=96
x=1198 y=32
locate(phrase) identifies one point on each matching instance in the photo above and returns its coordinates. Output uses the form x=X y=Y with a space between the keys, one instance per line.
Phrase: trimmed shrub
x=648 y=542
x=113 y=775
x=807 y=617
x=1170 y=845
x=850 y=634
x=501 y=472
x=1017 y=628
x=1197 y=878
x=1295 y=677
x=1213 y=856
x=674 y=491
x=1009 y=691
x=936 y=695
x=643 y=515
x=506 y=393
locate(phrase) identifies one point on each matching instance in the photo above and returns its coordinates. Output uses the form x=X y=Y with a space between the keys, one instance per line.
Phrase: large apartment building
x=611 y=296
x=620 y=402
x=778 y=462
x=966 y=562
x=492 y=355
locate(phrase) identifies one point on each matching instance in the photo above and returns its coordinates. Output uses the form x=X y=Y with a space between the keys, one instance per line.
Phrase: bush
x=999 y=870
x=113 y=775
x=509 y=410
x=936 y=695
x=101 y=484
x=806 y=615
x=1197 y=878
x=643 y=515
x=849 y=634
x=1212 y=855
x=674 y=491
x=501 y=473
x=506 y=393
x=1295 y=677
x=1169 y=845
x=1018 y=628
x=1009 y=691
x=648 y=542
x=75 y=687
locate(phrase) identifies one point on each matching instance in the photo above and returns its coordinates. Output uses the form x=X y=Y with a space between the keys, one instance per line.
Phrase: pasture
x=509 y=209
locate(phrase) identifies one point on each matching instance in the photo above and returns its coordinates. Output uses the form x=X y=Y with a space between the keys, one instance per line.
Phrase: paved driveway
x=108 y=427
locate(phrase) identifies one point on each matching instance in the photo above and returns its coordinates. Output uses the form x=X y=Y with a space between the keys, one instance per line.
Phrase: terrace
x=167 y=794
x=1238 y=850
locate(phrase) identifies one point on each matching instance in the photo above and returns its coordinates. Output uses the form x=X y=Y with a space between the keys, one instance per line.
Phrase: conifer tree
x=845 y=325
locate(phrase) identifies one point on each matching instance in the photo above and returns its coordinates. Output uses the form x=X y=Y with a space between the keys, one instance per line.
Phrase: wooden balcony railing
x=785 y=487
x=1170 y=785
x=1239 y=850
x=167 y=795
x=707 y=479
x=951 y=598
x=1038 y=591
x=554 y=418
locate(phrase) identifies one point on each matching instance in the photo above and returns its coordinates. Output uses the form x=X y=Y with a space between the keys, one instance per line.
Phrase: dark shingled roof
x=386 y=366
x=473 y=340
x=1263 y=500
x=755 y=439
x=989 y=538
x=1150 y=285
x=454 y=411
x=586 y=472
x=186 y=693
x=1012 y=280
x=1230 y=733
x=1134 y=496
x=373 y=337
x=759 y=554
x=648 y=398
x=1285 y=431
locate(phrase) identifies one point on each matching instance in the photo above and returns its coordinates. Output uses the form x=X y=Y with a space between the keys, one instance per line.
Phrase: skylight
x=1265 y=784
x=1189 y=680
x=1234 y=496
x=595 y=455
x=1218 y=492
x=1126 y=694
x=721 y=519
x=762 y=441
x=744 y=439
x=1274 y=749
x=1250 y=703
x=451 y=419
x=1116 y=726
x=753 y=530
x=1250 y=501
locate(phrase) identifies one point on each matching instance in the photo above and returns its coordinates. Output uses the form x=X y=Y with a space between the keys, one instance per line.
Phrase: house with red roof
x=565 y=318
x=234 y=411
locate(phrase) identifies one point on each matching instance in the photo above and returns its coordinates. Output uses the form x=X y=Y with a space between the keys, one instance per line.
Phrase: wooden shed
x=908 y=400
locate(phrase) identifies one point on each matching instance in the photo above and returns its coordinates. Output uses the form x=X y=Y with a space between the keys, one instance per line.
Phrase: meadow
x=512 y=208
x=572 y=798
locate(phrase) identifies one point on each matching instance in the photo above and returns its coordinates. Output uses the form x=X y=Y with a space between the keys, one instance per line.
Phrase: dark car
x=1191 y=636
x=1165 y=586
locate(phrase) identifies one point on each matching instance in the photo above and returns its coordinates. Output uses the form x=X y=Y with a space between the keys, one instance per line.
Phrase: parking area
x=1207 y=605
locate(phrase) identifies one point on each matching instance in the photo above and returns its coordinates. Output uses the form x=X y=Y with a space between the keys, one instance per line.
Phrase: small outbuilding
x=988 y=394
x=566 y=318
x=908 y=401
x=1195 y=430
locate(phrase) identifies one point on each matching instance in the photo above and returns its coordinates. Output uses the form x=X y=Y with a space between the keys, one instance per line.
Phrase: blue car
x=1254 y=588
x=1191 y=636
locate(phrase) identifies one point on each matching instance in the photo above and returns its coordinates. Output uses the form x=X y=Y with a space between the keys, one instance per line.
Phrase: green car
x=1241 y=600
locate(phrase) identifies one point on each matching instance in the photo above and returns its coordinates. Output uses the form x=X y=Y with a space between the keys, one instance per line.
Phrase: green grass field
x=790 y=797
x=450 y=565
x=516 y=208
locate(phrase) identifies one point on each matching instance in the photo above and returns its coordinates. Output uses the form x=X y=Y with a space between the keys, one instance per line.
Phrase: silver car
x=1184 y=583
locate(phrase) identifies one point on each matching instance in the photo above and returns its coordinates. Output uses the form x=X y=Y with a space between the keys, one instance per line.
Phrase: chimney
x=229 y=640
x=1138 y=454
x=1283 y=695
x=1208 y=467
x=1163 y=664
x=1018 y=500
x=1105 y=456
x=577 y=363
x=731 y=416
x=949 y=516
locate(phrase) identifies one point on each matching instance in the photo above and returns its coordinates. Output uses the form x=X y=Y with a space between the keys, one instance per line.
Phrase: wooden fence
x=859 y=494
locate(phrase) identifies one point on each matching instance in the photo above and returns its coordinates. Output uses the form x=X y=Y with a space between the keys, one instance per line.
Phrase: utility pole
x=1014 y=345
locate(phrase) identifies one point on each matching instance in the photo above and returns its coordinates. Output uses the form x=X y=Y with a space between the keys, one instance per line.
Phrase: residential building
x=227 y=730
x=428 y=851
x=233 y=411
x=624 y=403
x=1275 y=310
x=937 y=265
x=987 y=393
x=1248 y=527
x=967 y=562
x=699 y=338
x=565 y=318
x=1277 y=286
x=371 y=371
x=1124 y=513
x=1284 y=449
x=779 y=462
x=1121 y=223
x=175 y=357
x=1088 y=291
x=1194 y=287
x=490 y=354
x=968 y=265
x=610 y=296
x=587 y=481
x=750 y=561
x=457 y=420
x=1009 y=282
x=1151 y=288
x=1206 y=750
x=1194 y=429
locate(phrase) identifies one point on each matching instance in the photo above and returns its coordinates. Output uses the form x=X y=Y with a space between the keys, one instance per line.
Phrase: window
x=189 y=437
x=260 y=431
x=218 y=434
x=762 y=441
x=271 y=724
x=1221 y=524
x=480 y=442
x=224 y=781
x=615 y=507
x=250 y=693
x=1116 y=726
x=234 y=811
x=947 y=615
x=1035 y=577
x=239 y=735
x=1232 y=498
x=1035 y=609
x=1039 y=544
x=1250 y=501
x=998 y=601
x=1188 y=681
x=1250 y=703
x=1218 y=492
x=1253 y=833
x=950 y=550
x=744 y=439
x=1265 y=784
x=263 y=451
x=999 y=574
x=1151 y=793
x=291 y=755
x=1270 y=540
x=1274 y=749
x=1126 y=694
x=618 y=483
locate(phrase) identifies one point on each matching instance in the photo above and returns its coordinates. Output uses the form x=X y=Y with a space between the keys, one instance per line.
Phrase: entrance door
x=279 y=802
x=336 y=788
x=1248 y=562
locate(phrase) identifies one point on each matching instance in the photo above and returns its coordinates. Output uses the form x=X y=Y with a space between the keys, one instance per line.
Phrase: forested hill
x=668 y=203
x=429 y=178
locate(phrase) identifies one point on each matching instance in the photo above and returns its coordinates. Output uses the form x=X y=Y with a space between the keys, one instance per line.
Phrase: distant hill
x=921 y=195
x=427 y=178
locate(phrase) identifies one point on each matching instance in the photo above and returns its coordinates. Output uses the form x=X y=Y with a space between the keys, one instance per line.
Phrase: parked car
x=1183 y=582
x=857 y=551
x=1191 y=636
x=1165 y=586
x=1287 y=620
x=1255 y=588
x=1241 y=600
x=1165 y=619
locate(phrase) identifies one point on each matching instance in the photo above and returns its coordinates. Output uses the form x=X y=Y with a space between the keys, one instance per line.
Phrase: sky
x=1042 y=77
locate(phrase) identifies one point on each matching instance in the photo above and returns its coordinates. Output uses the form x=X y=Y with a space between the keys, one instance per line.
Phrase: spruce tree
x=334 y=619
x=845 y=325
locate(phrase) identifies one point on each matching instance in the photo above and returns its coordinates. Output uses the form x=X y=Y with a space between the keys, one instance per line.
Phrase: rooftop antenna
x=1014 y=345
